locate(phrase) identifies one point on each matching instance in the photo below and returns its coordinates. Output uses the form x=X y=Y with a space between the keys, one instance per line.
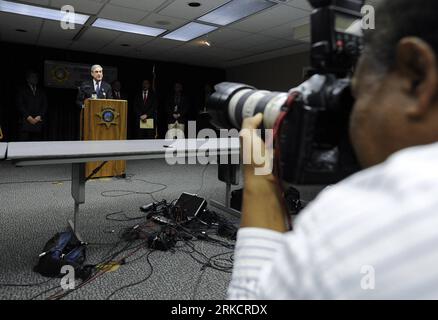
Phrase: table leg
x=77 y=192
x=227 y=206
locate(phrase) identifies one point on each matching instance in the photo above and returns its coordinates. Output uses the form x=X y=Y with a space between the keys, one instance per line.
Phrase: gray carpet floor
x=39 y=205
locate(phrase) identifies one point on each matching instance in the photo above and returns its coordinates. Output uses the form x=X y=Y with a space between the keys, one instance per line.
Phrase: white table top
x=3 y=148
x=38 y=153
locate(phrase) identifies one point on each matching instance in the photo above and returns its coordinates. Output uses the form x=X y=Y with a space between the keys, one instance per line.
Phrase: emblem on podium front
x=108 y=117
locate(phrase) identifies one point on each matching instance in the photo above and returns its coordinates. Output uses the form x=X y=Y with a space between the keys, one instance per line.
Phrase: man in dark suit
x=177 y=108
x=95 y=88
x=117 y=90
x=31 y=102
x=145 y=106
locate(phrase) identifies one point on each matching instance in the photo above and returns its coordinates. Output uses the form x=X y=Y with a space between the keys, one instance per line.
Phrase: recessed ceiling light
x=194 y=4
x=235 y=10
x=190 y=31
x=20 y=30
x=127 y=27
x=39 y=12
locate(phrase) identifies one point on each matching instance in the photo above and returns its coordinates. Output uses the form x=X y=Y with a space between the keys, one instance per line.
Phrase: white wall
x=278 y=74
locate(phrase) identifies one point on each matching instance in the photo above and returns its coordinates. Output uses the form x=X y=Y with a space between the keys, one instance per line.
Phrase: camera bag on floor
x=63 y=249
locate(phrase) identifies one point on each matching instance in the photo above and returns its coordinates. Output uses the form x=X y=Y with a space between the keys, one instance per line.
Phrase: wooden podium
x=103 y=119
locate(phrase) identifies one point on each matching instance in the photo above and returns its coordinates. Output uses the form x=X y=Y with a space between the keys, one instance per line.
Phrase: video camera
x=312 y=120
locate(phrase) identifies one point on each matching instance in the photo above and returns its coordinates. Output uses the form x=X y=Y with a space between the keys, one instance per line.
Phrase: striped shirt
x=372 y=236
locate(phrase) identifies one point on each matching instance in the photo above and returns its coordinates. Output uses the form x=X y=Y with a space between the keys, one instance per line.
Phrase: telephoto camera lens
x=233 y=102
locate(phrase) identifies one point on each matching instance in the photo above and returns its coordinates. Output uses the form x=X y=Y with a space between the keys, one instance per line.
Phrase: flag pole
x=154 y=89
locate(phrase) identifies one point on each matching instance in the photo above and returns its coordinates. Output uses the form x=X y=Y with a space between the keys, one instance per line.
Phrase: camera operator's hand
x=257 y=159
x=262 y=204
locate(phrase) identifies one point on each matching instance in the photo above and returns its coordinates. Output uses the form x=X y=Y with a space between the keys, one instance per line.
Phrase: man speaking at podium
x=95 y=88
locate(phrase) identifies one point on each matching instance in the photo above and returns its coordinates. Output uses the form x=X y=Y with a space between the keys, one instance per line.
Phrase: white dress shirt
x=372 y=236
x=145 y=94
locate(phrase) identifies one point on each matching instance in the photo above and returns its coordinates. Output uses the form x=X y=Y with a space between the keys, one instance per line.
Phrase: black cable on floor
x=24 y=284
x=35 y=181
x=45 y=291
x=198 y=283
x=138 y=282
x=202 y=179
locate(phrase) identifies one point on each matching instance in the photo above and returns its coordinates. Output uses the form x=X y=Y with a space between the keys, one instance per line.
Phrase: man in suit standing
x=32 y=107
x=177 y=108
x=146 y=108
x=95 y=88
x=117 y=90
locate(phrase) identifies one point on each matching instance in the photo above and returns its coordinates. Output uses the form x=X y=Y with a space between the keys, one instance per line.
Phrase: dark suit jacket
x=32 y=105
x=122 y=95
x=87 y=89
x=172 y=107
x=149 y=108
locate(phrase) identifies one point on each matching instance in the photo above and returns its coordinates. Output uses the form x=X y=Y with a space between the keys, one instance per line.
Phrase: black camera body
x=313 y=136
x=314 y=139
x=335 y=45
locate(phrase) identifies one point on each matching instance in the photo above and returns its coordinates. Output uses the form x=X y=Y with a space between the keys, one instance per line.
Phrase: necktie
x=145 y=96
x=97 y=88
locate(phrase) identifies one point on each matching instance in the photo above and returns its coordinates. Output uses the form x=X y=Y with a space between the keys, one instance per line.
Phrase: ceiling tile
x=53 y=31
x=163 y=22
x=274 y=45
x=54 y=43
x=299 y=47
x=148 y=51
x=9 y=23
x=148 y=5
x=302 y=4
x=196 y=48
x=37 y=2
x=94 y=39
x=263 y=35
x=14 y=21
x=180 y=9
x=224 y=35
x=286 y=31
x=302 y=32
x=248 y=43
x=270 y=18
x=164 y=44
x=226 y=54
x=122 y=14
x=13 y=36
x=115 y=50
x=133 y=40
x=81 y=6
x=84 y=46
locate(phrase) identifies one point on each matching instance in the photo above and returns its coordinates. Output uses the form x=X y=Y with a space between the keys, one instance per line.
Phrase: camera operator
x=374 y=235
